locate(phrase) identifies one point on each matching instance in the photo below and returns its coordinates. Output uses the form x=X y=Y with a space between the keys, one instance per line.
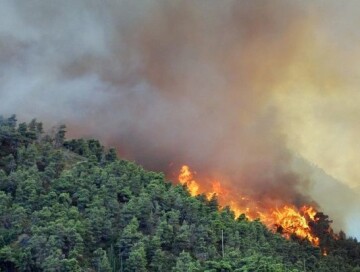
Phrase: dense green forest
x=72 y=205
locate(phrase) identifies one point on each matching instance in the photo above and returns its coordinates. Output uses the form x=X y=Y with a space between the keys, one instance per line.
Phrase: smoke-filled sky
x=237 y=89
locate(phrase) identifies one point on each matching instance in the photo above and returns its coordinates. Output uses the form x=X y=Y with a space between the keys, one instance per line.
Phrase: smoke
x=236 y=89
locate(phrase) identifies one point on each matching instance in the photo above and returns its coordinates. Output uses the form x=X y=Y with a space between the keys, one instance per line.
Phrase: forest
x=73 y=205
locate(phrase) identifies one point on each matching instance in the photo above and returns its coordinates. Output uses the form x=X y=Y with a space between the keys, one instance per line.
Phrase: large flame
x=186 y=178
x=286 y=219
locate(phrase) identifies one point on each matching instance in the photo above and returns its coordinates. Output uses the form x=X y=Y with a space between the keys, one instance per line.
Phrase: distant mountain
x=335 y=198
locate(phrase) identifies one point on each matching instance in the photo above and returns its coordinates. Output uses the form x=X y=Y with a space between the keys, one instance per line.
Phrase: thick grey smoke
x=166 y=82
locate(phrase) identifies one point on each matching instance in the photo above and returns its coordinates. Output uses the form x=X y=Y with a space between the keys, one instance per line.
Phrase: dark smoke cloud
x=166 y=82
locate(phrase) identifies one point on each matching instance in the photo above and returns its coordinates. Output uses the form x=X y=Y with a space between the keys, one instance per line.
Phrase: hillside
x=72 y=205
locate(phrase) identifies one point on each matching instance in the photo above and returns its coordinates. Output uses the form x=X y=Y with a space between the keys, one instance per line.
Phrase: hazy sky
x=236 y=89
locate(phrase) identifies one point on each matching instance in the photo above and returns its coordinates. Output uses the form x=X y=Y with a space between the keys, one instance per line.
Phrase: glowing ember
x=288 y=219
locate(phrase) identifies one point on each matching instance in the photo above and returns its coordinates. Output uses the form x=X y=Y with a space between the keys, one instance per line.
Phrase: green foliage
x=137 y=259
x=70 y=205
x=185 y=263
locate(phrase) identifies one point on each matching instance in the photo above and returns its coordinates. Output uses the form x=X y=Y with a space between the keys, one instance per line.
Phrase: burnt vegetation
x=72 y=205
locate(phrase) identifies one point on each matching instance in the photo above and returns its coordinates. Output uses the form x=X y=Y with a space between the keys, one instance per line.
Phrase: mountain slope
x=73 y=206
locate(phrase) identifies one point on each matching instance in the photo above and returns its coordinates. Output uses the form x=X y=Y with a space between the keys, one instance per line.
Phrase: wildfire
x=186 y=178
x=287 y=219
x=290 y=220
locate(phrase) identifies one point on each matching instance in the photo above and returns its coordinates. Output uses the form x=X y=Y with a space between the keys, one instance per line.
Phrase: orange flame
x=186 y=178
x=288 y=219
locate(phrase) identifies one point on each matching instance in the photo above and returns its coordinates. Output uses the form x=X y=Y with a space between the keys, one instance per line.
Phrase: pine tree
x=185 y=263
x=137 y=259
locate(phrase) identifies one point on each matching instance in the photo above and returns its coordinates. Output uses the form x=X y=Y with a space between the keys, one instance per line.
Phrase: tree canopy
x=72 y=205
